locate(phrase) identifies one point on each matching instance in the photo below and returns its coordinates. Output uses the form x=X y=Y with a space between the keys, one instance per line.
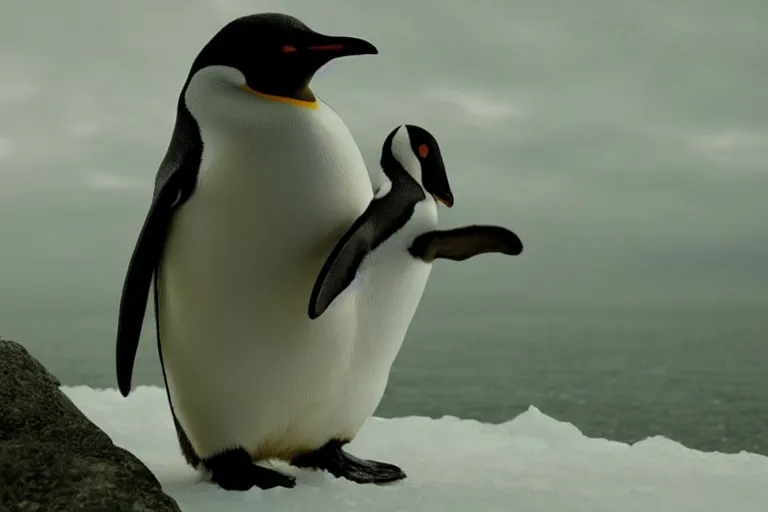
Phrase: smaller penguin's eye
x=423 y=151
x=289 y=49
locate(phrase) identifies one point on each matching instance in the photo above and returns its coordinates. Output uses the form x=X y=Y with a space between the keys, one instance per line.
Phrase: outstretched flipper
x=174 y=184
x=465 y=242
x=382 y=218
x=336 y=461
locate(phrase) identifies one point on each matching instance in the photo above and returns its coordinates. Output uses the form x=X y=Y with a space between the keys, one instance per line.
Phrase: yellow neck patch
x=282 y=99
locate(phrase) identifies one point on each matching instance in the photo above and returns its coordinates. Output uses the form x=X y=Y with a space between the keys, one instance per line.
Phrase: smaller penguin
x=382 y=263
x=398 y=227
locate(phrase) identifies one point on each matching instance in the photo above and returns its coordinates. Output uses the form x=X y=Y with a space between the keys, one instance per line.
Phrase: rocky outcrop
x=53 y=458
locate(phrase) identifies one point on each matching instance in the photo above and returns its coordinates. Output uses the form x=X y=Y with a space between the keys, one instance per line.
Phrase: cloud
x=483 y=107
x=111 y=182
x=6 y=147
x=748 y=148
x=624 y=139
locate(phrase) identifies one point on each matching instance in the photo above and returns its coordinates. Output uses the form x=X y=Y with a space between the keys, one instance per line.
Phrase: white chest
x=280 y=161
x=278 y=184
x=389 y=287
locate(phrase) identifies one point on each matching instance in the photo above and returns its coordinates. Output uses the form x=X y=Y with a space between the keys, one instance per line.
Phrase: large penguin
x=259 y=181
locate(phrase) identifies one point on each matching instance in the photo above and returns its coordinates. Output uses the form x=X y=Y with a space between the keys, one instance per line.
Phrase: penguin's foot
x=340 y=464
x=233 y=470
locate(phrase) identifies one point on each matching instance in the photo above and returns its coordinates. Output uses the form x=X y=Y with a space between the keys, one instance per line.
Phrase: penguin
x=384 y=259
x=260 y=179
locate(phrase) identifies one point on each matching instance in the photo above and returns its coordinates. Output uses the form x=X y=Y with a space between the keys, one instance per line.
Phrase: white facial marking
x=217 y=73
x=403 y=153
x=210 y=91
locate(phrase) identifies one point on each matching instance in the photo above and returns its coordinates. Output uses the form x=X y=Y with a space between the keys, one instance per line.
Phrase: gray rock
x=53 y=458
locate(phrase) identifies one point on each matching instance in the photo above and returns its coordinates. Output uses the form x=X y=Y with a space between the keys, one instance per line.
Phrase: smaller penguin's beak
x=444 y=197
x=342 y=46
x=435 y=178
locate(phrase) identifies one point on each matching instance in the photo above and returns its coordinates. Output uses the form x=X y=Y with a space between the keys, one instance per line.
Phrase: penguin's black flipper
x=174 y=184
x=138 y=279
x=382 y=218
x=465 y=242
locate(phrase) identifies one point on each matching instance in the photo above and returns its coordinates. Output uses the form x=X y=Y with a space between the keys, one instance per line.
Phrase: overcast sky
x=625 y=141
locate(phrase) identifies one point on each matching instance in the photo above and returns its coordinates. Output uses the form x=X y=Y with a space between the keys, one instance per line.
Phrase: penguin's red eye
x=423 y=151
x=289 y=49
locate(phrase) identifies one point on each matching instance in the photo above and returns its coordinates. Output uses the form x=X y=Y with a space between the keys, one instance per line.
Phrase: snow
x=531 y=463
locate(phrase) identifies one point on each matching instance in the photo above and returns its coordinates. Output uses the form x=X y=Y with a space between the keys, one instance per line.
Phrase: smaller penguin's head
x=276 y=53
x=418 y=153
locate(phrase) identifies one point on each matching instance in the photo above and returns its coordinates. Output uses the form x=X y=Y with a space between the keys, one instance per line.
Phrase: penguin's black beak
x=435 y=180
x=444 y=197
x=332 y=47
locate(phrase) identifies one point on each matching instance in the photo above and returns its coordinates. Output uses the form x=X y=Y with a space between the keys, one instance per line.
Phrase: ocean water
x=694 y=374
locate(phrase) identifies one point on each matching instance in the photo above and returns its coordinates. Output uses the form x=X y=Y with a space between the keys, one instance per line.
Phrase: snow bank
x=532 y=463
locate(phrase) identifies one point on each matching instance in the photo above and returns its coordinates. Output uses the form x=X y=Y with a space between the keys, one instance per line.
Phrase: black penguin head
x=412 y=149
x=276 y=53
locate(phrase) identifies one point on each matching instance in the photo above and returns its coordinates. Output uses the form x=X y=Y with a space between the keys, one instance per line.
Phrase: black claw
x=233 y=470
x=340 y=464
